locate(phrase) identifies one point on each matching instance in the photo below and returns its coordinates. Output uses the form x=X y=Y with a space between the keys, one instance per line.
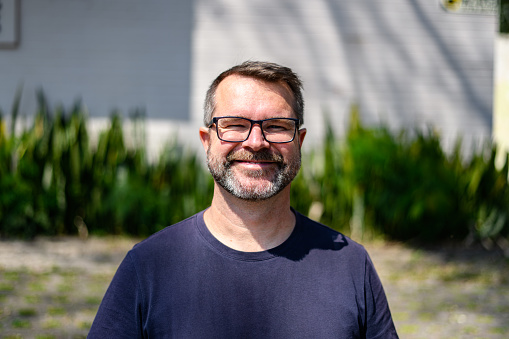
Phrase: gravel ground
x=51 y=288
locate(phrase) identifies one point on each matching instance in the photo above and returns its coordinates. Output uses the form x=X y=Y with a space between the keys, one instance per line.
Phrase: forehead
x=241 y=95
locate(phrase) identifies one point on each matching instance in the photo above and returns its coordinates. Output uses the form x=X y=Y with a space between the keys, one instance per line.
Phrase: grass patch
x=21 y=323
x=12 y=275
x=60 y=299
x=485 y=319
x=27 y=312
x=52 y=324
x=102 y=278
x=499 y=330
x=85 y=325
x=93 y=300
x=458 y=275
x=33 y=299
x=427 y=293
x=37 y=286
x=6 y=287
x=470 y=330
x=400 y=316
x=65 y=288
x=502 y=308
x=69 y=273
x=97 y=288
x=427 y=316
x=408 y=329
x=56 y=311
x=56 y=269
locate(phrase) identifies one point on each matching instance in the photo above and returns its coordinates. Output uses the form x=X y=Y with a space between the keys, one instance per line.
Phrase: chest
x=268 y=299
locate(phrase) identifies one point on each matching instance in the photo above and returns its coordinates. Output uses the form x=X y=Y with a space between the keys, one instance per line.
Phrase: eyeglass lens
x=238 y=129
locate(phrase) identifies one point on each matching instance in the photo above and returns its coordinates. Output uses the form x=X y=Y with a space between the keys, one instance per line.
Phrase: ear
x=205 y=137
x=302 y=134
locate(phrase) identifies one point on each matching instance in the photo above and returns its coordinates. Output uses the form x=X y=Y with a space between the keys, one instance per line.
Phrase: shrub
x=54 y=182
x=373 y=182
x=404 y=186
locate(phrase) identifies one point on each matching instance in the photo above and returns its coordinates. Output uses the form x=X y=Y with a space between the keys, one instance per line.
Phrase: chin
x=255 y=191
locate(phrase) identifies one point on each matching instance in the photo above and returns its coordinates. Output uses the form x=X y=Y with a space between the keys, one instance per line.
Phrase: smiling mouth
x=252 y=165
x=255 y=163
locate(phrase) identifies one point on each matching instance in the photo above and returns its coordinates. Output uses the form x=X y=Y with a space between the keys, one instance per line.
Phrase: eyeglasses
x=238 y=129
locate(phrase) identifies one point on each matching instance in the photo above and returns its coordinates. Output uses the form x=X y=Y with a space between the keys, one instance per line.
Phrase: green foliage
x=372 y=182
x=408 y=187
x=404 y=186
x=54 y=182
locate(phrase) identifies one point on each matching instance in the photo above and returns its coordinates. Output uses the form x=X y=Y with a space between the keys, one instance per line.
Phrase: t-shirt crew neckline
x=222 y=249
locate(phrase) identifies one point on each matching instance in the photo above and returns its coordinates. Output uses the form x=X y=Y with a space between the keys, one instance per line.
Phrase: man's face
x=254 y=169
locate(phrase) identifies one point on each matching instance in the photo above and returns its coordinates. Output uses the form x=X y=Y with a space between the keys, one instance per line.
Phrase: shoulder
x=169 y=238
x=322 y=236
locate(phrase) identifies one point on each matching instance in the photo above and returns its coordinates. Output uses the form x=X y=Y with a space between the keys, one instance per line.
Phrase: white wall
x=113 y=54
x=407 y=62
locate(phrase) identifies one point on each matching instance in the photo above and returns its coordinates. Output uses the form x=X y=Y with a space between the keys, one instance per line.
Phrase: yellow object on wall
x=501 y=96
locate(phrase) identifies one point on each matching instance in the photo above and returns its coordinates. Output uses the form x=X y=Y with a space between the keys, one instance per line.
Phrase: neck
x=250 y=226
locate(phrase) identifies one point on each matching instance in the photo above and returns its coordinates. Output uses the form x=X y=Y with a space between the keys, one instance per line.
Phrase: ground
x=51 y=288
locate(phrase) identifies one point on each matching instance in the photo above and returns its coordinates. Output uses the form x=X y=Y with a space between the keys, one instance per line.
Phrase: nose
x=256 y=141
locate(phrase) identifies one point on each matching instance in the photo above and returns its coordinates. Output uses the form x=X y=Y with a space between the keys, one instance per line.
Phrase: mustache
x=245 y=155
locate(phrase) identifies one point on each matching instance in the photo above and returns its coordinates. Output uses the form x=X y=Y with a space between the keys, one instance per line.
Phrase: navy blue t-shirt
x=183 y=283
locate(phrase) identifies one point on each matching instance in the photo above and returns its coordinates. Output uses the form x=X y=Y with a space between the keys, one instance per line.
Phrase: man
x=249 y=266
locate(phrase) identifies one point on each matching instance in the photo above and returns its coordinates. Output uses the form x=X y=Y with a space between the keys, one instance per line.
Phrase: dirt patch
x=51 y=288
x=94 y=255
x=445 y=292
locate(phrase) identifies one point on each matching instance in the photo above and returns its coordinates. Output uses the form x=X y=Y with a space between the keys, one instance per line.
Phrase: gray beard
x=223 y=174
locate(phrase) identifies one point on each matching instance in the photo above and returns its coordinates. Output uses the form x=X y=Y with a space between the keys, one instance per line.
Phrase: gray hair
x=260 y=70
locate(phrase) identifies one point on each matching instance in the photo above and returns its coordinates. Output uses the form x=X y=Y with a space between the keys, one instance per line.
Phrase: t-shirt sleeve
x=379 y=322
x=119 y=315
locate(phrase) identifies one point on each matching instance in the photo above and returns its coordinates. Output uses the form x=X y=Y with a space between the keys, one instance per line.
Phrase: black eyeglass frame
x=253 y=122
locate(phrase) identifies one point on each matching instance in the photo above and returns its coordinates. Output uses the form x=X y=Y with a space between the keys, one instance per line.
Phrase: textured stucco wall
x=406 y=62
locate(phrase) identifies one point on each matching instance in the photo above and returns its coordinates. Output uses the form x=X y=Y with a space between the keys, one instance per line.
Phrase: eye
x=234 y=124
x=275 y=128
x=278 y=126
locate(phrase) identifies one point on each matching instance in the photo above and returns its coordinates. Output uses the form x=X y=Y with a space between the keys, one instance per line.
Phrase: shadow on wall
x=415 y=47
x=406 y=62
